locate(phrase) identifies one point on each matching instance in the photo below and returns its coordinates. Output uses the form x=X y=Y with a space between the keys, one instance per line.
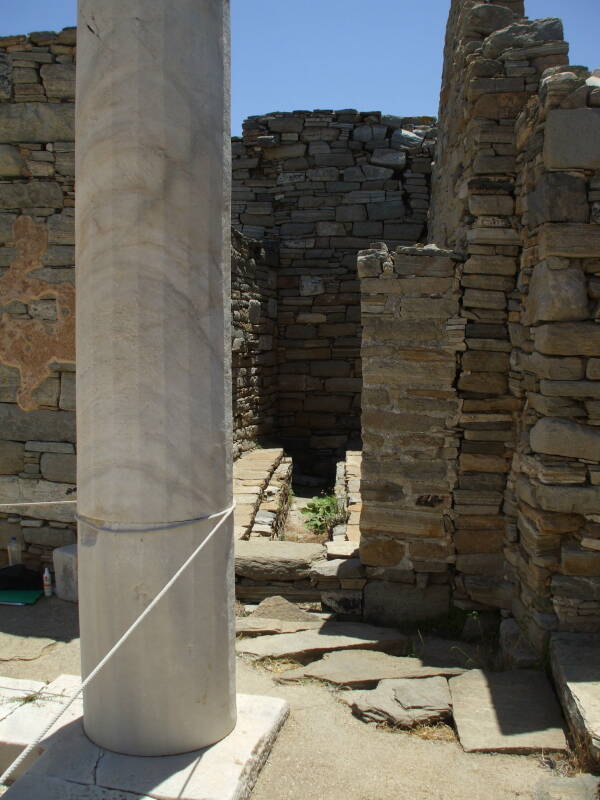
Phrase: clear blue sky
x=335 y=53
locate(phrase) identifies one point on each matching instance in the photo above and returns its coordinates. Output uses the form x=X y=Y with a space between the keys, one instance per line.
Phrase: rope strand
x=225 y=514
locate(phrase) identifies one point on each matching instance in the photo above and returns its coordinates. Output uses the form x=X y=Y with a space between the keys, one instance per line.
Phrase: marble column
x=153 y=369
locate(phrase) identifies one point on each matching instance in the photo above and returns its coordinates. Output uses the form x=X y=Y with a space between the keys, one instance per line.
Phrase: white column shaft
x=153 y=367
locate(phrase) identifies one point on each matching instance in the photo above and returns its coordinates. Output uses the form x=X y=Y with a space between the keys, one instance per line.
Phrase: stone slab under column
x=73 y=768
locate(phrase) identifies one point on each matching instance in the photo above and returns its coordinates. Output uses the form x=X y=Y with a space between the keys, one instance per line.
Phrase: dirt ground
x=322 y=753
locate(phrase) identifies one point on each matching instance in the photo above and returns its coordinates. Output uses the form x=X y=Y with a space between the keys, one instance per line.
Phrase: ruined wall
x=37 y=293
x=556 y=358
x=469 y=23
x=516 y=194
x=411 y=334
x=37 y=299
x=254 y=339
x=316 y=187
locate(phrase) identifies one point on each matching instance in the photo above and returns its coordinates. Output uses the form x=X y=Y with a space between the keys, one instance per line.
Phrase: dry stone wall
x=37 y=292
x=316 y=187
x=411 y=335
x=556 y=357
x=516 y=196
x=254 y=338
x=37 y=299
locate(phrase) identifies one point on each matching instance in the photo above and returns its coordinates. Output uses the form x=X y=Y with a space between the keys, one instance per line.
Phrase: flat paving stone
x=261 y=626
x=37 y=787
x=341 y=549
x=405 y=702
x=306 y=645
x=73 y=768
x=575 y=659
x=28 y=717
x=580 y=787
x=364 y=668
x=507 y=712
x=278 y=607
x=275 y=560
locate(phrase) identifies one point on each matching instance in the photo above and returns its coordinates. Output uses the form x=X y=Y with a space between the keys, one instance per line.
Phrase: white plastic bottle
x=47 y=579
x=15 y=553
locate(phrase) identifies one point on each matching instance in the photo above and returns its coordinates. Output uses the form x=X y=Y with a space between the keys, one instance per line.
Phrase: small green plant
x=322 y=513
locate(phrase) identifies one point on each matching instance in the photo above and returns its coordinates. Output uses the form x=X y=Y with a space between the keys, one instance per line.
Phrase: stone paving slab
x=275 y=560
x=306 y=645
x=27 y=719
x=575 y=659
x=73 y=768
x=261 y=626
x=405 y=702
x=507 y=712
x=364 y=668
x=580 y=787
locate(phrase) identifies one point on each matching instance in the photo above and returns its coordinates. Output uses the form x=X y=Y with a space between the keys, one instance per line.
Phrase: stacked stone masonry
x=515 y=194
x=37 y=300
x=315 y=188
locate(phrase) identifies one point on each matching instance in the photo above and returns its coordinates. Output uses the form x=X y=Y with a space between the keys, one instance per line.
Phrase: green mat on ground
x=19 y=597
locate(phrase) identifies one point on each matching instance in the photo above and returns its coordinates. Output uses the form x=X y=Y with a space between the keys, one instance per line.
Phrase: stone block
x=555 y=369
x=37 y=425
x=577 y=562
x=569 y=240
x=284 y=151
x=494 y=205
x=67 y=391
x=572 y=139
x=491 y=265
x=392 y=159
x=58 y=467
x=59 y=81
x=523 y=34
x=558 y=197
x=12 y=457
x=579 y=389
x=46 y=194
x=565 y=438
x=388 y=209
x=484 y=19
x=15 y=491
x=568 y=339
x=503 y=105
x=65 y=572
x=556 y=295
x=280 y=561
x=390 y=603
x=481 y=564
x=37 y=122
x=61 y=227
x=12 y=163
x=342 y=602
x=564 y=499
x=49 y=537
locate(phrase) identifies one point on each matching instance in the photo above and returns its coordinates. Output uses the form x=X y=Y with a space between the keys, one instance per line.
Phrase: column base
x=71 y=766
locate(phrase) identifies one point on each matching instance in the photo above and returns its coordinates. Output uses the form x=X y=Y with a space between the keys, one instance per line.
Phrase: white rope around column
x=225 y=514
